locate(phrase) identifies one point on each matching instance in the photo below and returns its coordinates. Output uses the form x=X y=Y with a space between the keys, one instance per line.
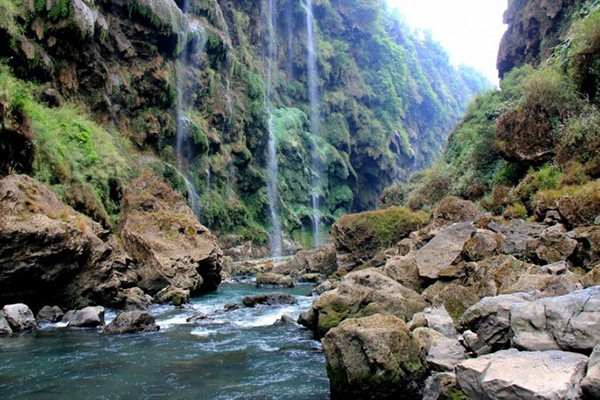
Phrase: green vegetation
x=388 y=98
x=84 y=163
x=527 y=147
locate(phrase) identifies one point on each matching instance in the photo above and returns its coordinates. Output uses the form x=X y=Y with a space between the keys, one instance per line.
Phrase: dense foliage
x=387 y=99
x=521 y=148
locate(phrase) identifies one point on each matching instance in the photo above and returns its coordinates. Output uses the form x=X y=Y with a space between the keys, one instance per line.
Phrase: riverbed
x=239 y=354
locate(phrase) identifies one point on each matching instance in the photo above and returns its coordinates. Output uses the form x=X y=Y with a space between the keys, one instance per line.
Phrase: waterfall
x=182 y=150
x=275 y=240
x=313 y=94
x=227 y=39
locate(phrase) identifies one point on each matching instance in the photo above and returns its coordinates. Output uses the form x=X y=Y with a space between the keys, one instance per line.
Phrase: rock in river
x=19 y=317
x=269 y=299
x=132 y=322
x=375 y=357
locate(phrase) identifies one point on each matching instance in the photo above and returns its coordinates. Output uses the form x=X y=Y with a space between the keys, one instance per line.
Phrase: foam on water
x=237 y=354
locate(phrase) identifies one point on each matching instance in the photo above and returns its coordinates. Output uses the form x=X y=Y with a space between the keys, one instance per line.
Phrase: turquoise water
x=234 y=355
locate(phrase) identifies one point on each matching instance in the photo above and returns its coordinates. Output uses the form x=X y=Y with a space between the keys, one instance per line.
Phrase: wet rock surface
x=19 y=317
x=132 y=322
x=269 y=299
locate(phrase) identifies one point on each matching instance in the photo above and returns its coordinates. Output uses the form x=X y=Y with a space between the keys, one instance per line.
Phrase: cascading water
x=275 y=240
x=313 y=94
x=227 y=39
x=183 y=123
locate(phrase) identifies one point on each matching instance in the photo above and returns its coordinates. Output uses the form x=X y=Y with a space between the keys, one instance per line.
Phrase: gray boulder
x=445 y=354
x=269 y=299
x=510 y=374
x=519 y=238
x=5 y=328
x=19 y=317
x=132 y=322
x=568 y=322
x=49 y=314
x=88 y=317
x=443 y=250
x=490 y=318
x=436 y=318
x=591 y=382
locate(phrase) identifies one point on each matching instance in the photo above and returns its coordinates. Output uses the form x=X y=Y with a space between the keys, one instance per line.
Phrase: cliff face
x=146 y=71
x=535 y=28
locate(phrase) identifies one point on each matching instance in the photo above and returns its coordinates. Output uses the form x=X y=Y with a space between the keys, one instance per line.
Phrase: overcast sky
x=470 y=30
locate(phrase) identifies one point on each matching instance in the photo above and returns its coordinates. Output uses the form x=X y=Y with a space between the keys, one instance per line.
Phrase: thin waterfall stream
x=315 y=130
x=276 y=239
x=182 y=149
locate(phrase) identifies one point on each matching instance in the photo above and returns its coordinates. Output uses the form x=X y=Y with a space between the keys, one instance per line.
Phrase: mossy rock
x=373 y=357
x=364 y=234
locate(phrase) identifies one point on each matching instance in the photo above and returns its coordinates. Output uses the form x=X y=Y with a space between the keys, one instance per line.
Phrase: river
x=238 y=354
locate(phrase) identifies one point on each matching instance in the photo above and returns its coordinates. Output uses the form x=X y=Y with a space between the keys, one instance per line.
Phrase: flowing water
x=313 y=95
x=238 y=354
x=182 y=150
x=276 y=239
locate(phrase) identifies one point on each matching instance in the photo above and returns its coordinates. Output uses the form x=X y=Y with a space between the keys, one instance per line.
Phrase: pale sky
x=470 y=30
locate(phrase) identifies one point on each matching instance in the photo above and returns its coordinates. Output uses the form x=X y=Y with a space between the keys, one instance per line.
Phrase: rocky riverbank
x=52 y=254
x=469 y=306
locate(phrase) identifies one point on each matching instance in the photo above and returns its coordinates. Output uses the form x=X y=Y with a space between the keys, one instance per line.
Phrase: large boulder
x=373 y=358
x=452 y=209
x=166 y=240
x=49 y=253
x=514 y=375
x=19 y=317
x=568 y=322
x=504 y=274
x=88 y=317
x=481 y=245
x=133 y=298
x=317 y=261
x=49 y=314
x=271 y=280
x=555 y=245
x=454 y=297
x=591 y=382
x=269 y=299
x=132 y=322
x=361 y=236
x=443 y=250
x=445 y=354
x=360 y=294
x=403 y=269
x=490 y=318
x=519 y=238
